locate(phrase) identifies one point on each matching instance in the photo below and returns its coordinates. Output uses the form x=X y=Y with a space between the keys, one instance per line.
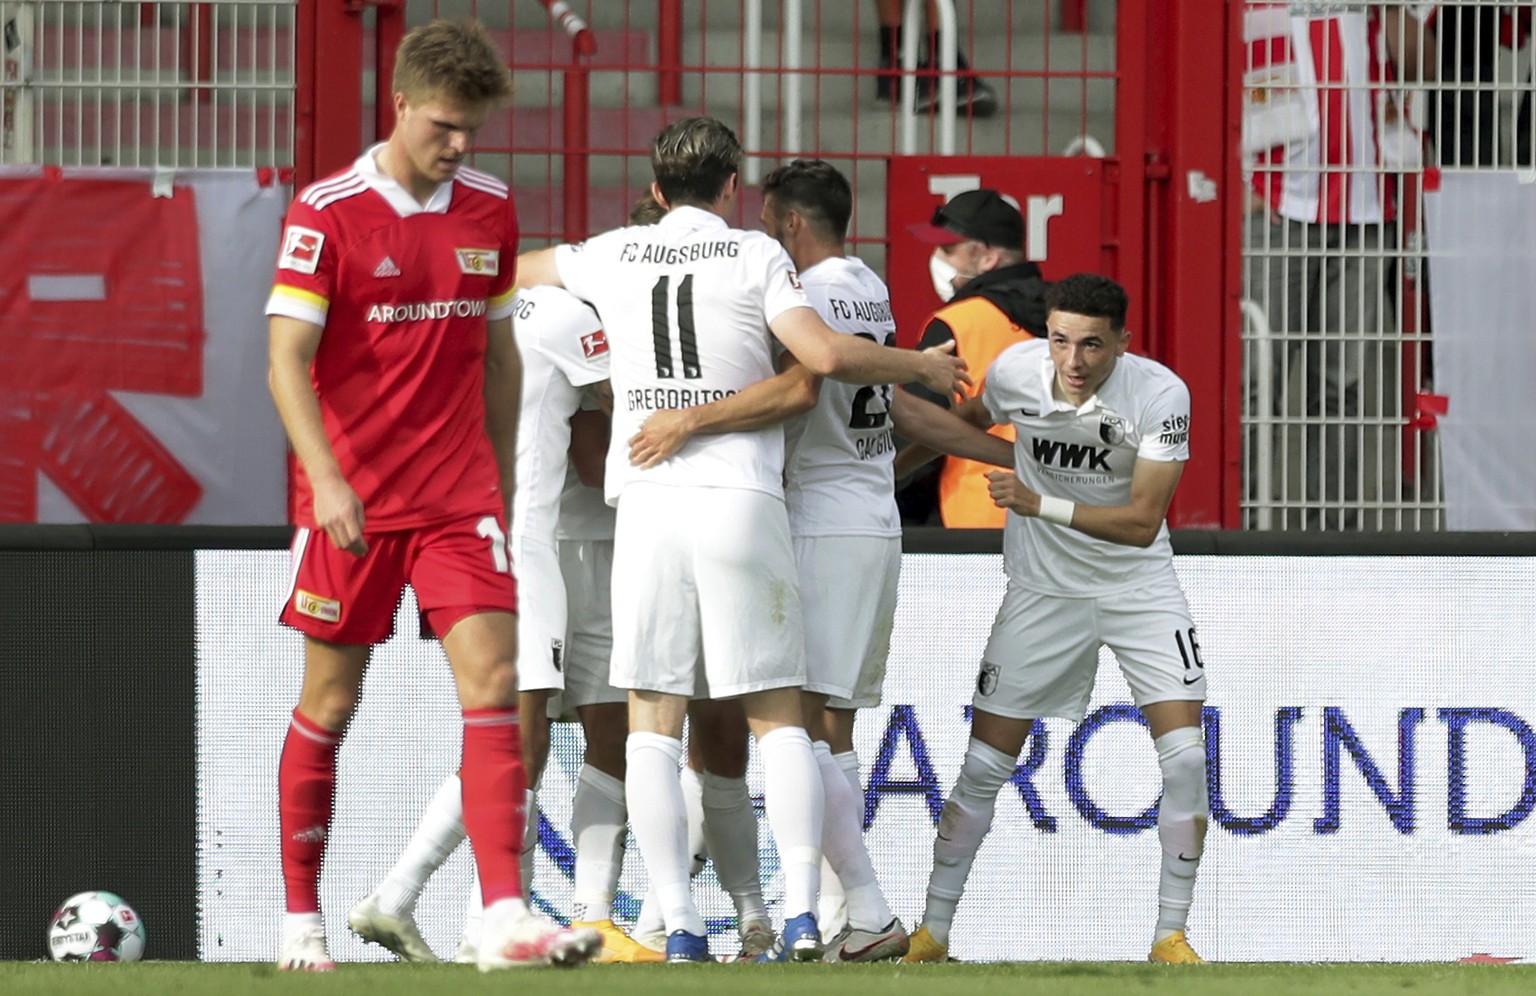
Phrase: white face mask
x=943 y=276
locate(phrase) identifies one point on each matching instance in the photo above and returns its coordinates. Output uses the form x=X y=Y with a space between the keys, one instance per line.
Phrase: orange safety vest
x=982 y=331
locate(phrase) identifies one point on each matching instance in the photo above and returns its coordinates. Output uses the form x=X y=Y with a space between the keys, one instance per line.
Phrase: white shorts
x=848 y=595
x=1043 y=653
x=540 y=618
x=587 y=566
x=705 y=575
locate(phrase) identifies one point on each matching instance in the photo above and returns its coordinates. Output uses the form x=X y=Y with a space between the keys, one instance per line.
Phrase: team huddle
x=696 y=427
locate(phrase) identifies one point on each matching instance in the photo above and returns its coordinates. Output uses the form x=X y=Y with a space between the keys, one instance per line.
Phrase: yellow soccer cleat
x=922 y=947
x=1174 y=950
x=619 y=947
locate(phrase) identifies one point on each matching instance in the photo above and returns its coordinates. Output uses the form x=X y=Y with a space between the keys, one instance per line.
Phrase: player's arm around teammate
x=792 y=391
x=823 y=351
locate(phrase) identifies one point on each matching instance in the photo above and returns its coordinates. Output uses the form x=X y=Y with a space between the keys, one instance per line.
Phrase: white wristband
x=1057 y=510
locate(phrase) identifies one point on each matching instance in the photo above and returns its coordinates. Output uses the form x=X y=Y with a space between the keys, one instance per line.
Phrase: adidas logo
x=386 y=268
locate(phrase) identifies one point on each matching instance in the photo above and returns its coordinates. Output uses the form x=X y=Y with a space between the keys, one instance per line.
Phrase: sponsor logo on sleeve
x=479 y=262
x=594 y=344
x=301 y=249
x=309 y=604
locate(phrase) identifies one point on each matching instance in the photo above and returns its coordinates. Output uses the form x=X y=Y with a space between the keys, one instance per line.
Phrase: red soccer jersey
x=403 y=292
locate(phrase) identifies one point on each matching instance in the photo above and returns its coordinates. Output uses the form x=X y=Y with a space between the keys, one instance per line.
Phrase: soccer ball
x=96 y=926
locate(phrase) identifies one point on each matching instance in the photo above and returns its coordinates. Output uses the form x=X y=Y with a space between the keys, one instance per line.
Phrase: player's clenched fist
x=1009 y=492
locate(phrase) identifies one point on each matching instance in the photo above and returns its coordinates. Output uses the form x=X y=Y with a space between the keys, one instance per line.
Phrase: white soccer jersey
x=838 y=468
x=584 y=515
x=685 y=303
x=1086 y=455
x=563 y=350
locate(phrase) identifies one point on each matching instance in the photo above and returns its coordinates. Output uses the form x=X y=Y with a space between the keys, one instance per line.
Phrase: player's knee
x=1181 y=756
x=329 y=708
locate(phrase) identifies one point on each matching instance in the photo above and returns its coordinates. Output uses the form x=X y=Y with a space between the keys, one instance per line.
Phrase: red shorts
x=457 y=568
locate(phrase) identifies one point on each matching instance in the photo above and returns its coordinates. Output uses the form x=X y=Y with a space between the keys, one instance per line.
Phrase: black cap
x=984 y=215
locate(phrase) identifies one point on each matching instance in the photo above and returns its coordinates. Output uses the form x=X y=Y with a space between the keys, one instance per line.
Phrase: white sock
x=649 y=919
x=500 y=913
x=295 y=924
x=848 y=760
x=598 y=825
x=693 y=798
x=842 y=841
x=474 y=909
x=440 y=831
x=966 y=818
x=530 y=838
x=657 y=815
x=832 y=903
x=794 y=803
x=1181 y=823
x=730 y=835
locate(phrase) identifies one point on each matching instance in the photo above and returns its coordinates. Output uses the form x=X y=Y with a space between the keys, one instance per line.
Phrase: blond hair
x=452 y=61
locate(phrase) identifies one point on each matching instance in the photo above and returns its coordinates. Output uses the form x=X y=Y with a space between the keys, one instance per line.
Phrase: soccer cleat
x=532 y=940
x=656 y=940
x=683 y=947
x=397 y=933
x=800 y=941
x=922 y=947
x=305 y=952
x=618 y=947
x=756 y=937
x=853 y=945
x=1174 y=950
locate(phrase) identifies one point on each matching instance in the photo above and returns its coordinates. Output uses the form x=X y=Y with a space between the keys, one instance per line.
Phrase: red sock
x=306 y=787
x=494 y=786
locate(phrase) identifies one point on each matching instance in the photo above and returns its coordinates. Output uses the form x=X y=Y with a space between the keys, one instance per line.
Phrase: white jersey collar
x=689 y=218
x=405 y=205
x=1048 y=379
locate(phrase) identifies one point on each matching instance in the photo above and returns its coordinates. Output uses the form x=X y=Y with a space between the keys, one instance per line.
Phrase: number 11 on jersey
x=661 y=328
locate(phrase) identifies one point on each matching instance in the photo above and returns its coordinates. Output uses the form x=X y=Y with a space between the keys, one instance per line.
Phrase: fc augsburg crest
x=1112 y=429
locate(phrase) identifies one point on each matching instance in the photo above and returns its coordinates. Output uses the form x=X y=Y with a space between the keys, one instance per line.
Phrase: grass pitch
x=1001 y=979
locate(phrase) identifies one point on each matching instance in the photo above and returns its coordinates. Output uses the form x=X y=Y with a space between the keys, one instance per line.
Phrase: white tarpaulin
x=133 y=369
x=1481 y=233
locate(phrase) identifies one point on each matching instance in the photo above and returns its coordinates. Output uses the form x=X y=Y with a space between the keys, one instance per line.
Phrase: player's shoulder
x=1151 y=376
x=477 y=184
x=325 y=194
x=554 y=305
x=1025 y=352
x=755 y=242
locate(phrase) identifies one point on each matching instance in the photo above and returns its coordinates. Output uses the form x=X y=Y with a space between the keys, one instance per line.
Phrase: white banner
x=1369 y=731
x=1481 y=234
x=135 y=388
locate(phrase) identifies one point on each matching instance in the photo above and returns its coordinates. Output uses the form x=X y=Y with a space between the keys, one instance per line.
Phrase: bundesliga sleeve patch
x=301 y=249
x=594 y=344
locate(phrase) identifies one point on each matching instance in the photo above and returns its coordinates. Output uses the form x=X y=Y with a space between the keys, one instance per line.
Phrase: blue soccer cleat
x=683 y=947
x=800 y=941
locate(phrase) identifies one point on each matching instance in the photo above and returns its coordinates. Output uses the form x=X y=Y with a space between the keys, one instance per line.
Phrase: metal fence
x=170 y=84
x=793 y=77
x=1350 y=111
x=1337 y=388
